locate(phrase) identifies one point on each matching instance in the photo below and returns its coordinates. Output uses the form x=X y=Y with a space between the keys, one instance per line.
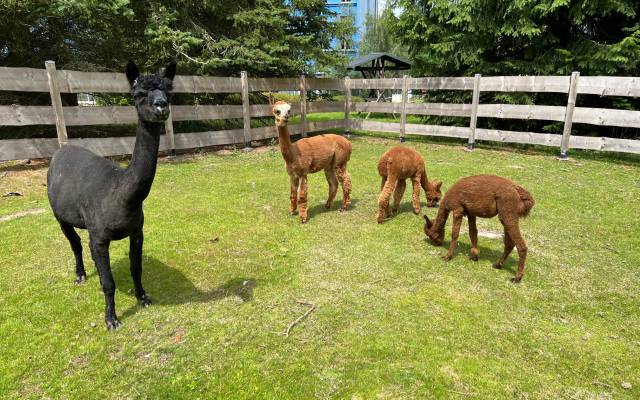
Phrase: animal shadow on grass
x=488 y=255
x=319 y=208
x=169 y=286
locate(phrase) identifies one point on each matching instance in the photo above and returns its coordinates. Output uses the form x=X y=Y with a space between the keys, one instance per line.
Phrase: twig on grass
x=462 y=393
x=300 y=318
x=602 y=384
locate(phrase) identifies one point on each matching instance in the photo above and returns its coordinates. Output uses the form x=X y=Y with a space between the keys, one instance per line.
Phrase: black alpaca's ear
x=132 y=72
x=170 y=71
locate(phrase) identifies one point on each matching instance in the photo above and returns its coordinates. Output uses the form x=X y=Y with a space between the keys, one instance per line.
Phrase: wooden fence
x=60 y=81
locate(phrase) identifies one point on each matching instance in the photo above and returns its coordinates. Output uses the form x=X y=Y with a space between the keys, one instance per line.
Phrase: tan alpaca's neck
x=286 y=148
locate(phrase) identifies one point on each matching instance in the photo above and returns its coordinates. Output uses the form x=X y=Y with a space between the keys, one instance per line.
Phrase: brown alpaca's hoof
x=294 y=212
x=416 y=211
x=303 y=220
x=328 y=206
x=497 y=266
x=516 y=279
x=447 y=257
x=474 y=254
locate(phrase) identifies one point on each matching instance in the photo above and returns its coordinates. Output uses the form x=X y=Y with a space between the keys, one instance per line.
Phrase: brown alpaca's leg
x=508 y=246
x=384 y=180
x=332 y=179
x=514 y=232
x=383 y=199
x=345 y=182
x=455 y=232
x=295 y=181
x=416 y=193
x=473 y=235
x=397 y=195
x=302 y=199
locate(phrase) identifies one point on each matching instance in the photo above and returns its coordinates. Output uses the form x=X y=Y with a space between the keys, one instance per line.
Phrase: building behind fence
x=61 y=81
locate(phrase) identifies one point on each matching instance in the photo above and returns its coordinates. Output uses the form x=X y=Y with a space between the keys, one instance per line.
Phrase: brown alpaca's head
x=435 y=236
x=434 y=194
x=281 y=112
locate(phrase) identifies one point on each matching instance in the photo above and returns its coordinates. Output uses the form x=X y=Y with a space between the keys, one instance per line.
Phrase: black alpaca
x=89 y=192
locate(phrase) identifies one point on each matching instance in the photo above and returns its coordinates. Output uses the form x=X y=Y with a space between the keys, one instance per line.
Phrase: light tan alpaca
x=306 y=156
x=395 y=166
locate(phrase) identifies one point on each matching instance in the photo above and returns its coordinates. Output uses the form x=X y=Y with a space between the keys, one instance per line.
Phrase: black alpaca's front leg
x=135 y=258
x=100 y=254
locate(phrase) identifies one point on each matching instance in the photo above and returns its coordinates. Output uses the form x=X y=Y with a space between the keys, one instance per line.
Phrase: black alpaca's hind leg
x=76 y=246
x=100 y=254
x=135 y=259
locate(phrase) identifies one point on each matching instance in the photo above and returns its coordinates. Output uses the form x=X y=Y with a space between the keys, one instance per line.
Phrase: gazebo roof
x=374 y=61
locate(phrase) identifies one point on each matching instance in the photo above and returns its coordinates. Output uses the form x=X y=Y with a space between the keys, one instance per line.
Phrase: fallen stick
x=303 y=316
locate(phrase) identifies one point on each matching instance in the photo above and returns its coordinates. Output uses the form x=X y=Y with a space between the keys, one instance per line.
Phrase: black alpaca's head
x=151 y=93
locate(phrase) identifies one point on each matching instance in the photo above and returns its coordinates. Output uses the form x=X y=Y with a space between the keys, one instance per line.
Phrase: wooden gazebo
x=374 y=65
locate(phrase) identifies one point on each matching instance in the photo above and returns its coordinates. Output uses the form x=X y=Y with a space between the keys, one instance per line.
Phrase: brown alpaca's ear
x=429 y=223
x=438 y=185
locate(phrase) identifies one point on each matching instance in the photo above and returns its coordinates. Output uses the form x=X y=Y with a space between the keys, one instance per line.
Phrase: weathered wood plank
x=609 y=85
x=442 y=109
x=403 y=108
x=16 y=115
x=387 y=83
x=23 y=79
x=543 y=139
x=324 y=84
x=303 y=104
x=56 y=102
x=568 y=115
x=411 y=129
x=246 y=114
x=324 y=106
x=607 y=117
x=207 y=139
x=262 y=84
x=519 y=111
x=18 y=149
x=441 y=83
x=347 y=104
x=204 y=112
x=477 y=82
x=75 y=116
x=550 y=84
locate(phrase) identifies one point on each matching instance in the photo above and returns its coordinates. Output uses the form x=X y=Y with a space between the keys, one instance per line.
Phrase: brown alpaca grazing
x=306 y=156
x=484 y=196
x=395 y=166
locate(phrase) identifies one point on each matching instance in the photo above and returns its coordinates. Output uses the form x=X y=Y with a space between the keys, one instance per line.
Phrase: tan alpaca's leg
x=508 y=246
x=302 y=199
x=345 y=182
x=473 y=235
x=401 y=186
x=332 y=179
x=514 y=232
x=455 y=232
x=416 y=193
x=383 y=198
x=295 y=181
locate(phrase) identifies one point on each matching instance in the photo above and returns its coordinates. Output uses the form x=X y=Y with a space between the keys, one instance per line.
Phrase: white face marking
x=283 y=108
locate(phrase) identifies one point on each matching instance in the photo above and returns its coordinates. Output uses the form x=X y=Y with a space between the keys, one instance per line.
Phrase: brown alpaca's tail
x=526 y=201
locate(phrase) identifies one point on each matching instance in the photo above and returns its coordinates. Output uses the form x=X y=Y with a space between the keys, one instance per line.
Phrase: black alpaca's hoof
x=145 y=301
x=80 y=279
x=497 y=266
x=113 y=324
x=515 y=279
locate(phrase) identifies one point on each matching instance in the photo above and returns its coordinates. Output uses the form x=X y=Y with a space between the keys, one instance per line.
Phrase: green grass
x=225 y=264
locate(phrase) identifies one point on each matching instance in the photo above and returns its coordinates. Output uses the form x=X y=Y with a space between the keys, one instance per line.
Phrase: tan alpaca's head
x=433 y=193
x=281 y=112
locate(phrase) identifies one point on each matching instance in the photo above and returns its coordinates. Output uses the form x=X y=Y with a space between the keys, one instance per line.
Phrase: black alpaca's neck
x=139 y=174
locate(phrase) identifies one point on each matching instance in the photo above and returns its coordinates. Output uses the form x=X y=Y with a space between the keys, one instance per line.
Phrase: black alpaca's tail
x=526 y=200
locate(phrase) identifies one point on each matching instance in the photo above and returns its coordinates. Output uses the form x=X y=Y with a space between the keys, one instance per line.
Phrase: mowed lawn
x=226 y=266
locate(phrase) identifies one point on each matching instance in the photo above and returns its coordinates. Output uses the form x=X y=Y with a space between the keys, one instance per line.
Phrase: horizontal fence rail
x=56 y=82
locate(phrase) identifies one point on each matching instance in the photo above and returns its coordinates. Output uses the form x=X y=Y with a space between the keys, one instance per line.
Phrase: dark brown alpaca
x=323 y=152
x=483 y=196
x=395 y=166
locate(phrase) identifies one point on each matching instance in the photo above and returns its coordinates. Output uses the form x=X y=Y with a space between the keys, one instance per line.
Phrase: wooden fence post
x=474 y=111
x=303 y=104
x=56 y=102
x=403 y=112
x=246 y=110
x=568 y=115
x=171 y=141
x=347 y=105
